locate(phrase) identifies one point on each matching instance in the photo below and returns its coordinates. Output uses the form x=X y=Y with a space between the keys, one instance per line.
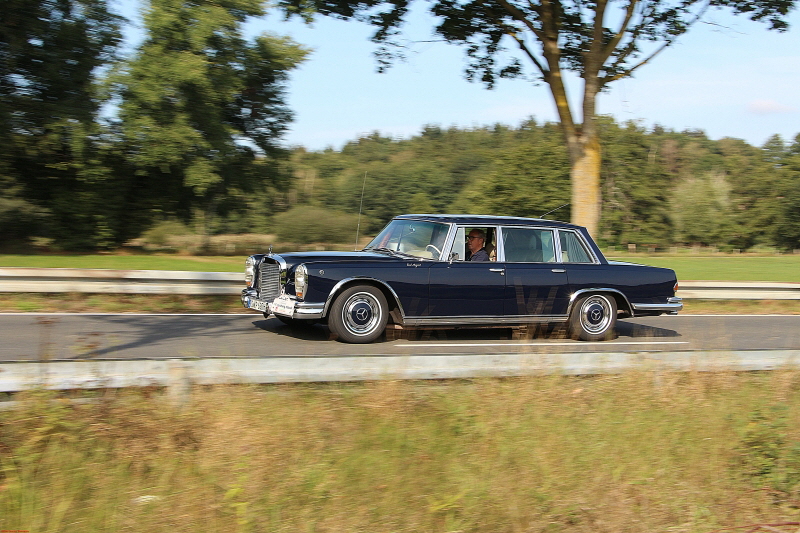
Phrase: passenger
x=475 y=243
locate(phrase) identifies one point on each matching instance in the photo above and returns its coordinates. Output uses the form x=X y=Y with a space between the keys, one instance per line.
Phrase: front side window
x=572 y=249
x=411 y=237
x=529 y=245
x=475 y=243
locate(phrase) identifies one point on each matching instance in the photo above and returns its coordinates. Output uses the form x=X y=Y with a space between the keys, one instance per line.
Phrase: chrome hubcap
x=596 y=314
x=361 y=313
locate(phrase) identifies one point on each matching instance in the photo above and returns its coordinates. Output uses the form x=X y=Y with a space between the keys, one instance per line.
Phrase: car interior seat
x=490 y=248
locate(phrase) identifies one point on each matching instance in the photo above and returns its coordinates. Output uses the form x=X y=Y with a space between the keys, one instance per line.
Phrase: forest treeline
x=100 y=147
x=660 y=188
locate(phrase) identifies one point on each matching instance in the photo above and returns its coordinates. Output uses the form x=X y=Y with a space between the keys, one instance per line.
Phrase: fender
x=340 y=285
x=577 y=293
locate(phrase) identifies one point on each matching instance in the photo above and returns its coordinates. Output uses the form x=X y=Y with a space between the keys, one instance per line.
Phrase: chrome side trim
x=341 y=283
x=481 y=320
x=574 y=296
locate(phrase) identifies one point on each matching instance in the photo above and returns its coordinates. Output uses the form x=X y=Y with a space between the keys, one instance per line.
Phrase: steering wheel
x=438 y=251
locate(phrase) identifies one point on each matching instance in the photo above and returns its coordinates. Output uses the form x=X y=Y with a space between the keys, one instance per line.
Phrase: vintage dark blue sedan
x=460 y=270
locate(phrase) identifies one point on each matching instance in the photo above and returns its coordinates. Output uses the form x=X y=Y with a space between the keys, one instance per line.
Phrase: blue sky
x=733 y=78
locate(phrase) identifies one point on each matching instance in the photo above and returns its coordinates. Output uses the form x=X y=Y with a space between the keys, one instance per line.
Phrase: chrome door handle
x=559 y=270
x=496 y=269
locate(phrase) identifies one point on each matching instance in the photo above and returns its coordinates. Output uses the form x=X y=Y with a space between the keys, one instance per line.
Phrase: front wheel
x=593 y=318
x=359 y=314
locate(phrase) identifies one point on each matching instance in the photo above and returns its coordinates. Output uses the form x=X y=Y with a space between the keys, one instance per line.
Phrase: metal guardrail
x=13 y=279
x=738 y=290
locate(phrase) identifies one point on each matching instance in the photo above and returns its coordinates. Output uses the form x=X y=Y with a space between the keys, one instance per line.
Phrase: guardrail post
x=179 y=384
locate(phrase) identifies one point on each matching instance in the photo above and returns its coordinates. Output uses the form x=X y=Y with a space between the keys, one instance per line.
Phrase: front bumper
x=301 y=310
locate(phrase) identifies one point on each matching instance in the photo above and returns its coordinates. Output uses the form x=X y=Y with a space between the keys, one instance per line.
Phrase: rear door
x=536 y=283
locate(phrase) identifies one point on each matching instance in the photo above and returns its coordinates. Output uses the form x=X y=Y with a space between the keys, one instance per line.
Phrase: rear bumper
x=673 y=305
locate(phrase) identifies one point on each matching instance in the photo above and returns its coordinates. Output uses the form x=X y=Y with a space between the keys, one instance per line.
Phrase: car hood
x=295 y=258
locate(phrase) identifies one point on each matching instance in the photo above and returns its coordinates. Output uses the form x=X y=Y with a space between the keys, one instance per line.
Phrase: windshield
x=412 y=237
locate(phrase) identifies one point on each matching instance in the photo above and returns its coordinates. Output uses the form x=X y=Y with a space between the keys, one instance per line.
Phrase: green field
x=635 y=453
x=704 y=267
x=724 y=267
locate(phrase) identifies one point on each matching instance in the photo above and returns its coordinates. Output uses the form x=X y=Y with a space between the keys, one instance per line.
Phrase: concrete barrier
x=179 y=374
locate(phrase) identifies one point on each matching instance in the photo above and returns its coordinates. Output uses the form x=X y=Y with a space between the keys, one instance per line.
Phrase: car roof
x=480 y=220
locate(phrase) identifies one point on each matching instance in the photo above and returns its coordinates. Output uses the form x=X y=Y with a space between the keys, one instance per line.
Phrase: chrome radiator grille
x=269 y=286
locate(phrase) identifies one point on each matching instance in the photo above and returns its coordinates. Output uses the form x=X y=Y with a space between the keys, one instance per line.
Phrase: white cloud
x=764 y=107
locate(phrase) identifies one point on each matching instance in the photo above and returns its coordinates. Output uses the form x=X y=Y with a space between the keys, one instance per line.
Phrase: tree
x=787 y=228
x=598 y=40
x=202 y=109
x=636 y=187
x=50 y=54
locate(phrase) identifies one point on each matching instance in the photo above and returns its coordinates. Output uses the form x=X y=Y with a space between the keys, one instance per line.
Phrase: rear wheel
x=359 y=314
x=593 y=318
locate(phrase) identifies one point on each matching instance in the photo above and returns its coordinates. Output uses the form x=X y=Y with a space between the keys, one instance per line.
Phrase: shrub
x=307 y=224
x=159 y=235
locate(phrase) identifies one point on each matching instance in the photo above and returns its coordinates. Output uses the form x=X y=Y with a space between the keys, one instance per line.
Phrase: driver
x=475 y=242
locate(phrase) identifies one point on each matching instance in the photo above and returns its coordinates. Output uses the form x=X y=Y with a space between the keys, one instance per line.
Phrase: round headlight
x=249 y=271
x=300 y=281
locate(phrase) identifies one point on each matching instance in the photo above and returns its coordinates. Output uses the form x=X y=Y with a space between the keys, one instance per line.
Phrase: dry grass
x=631 y=453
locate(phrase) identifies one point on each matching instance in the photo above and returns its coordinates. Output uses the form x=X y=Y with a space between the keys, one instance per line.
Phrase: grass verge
x=637 y=452
x=181 y=303
x=119 y=303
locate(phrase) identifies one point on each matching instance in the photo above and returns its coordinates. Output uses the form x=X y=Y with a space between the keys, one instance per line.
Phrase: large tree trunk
x=585 y=180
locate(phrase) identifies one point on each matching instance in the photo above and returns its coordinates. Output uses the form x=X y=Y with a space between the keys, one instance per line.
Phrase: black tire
x=593 y=318
x=359 y=314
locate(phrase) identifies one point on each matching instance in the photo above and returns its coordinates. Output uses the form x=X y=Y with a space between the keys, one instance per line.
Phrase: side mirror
x=453 y=257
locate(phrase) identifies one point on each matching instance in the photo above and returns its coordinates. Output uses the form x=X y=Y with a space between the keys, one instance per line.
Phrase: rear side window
x=529 y=245
x=573 y=249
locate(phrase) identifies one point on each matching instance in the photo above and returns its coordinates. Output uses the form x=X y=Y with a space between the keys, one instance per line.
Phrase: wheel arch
x=623 y=304
x=388 y=292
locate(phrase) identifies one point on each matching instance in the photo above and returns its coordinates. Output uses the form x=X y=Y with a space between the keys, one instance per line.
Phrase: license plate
x=258 y=305
x=283 y=305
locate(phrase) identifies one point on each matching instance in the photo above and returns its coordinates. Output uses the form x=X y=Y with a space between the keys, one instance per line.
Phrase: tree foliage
x=599 y=41
x=202 y=109
x=660 y=188
x=49 y=55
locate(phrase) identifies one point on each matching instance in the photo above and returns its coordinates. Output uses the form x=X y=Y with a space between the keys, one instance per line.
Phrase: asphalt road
x=35 y=337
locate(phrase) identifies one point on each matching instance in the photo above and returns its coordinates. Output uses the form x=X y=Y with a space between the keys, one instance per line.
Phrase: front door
x=460 y=288
x=466 y=288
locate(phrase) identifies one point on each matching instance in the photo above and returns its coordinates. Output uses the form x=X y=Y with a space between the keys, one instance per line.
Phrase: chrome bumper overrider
x=302 y=310
x=673 y=305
